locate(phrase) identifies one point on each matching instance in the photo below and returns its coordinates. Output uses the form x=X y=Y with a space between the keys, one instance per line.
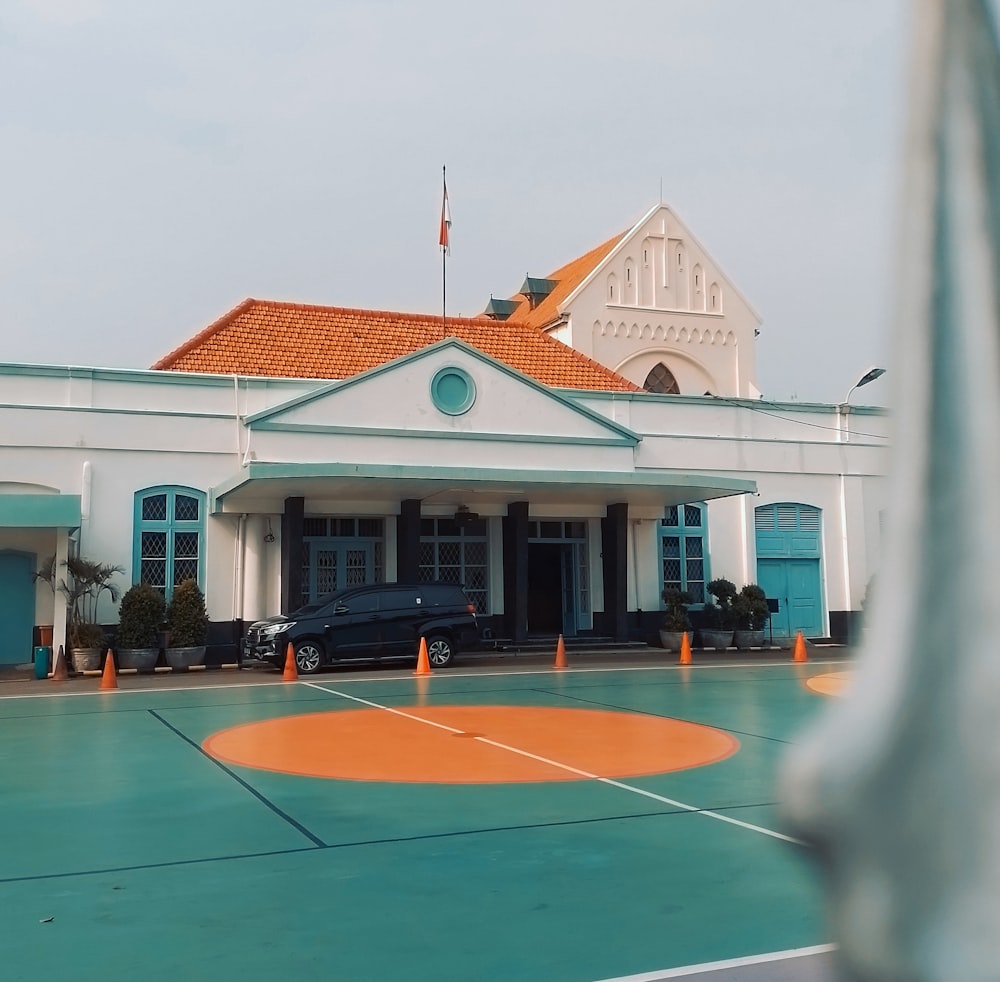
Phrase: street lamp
x=843 y=433
x=869 y=376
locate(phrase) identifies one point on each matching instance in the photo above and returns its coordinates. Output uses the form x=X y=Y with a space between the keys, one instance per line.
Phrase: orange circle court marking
x=831 y=684
x=375 y=745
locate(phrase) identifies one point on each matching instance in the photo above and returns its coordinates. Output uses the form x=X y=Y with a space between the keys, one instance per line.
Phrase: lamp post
x=842 y=411
x=869 y=376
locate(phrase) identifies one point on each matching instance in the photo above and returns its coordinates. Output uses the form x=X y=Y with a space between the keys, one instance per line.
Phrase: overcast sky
x=164 y=159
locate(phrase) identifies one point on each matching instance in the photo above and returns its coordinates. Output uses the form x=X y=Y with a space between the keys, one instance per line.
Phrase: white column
x=59 y=609
x=255 y=568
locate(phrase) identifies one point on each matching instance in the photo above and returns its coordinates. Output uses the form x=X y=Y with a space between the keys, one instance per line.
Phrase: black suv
x=383 y=620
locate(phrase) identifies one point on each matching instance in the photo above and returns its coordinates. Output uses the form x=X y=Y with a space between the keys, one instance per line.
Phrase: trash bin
x=42 y=655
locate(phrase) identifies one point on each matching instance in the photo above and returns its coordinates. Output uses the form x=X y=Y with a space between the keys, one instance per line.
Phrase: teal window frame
x=171 y=527
x=686 y=533
x=453 y=390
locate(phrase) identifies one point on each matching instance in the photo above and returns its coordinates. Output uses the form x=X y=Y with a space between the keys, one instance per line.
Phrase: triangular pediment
x=448 y=390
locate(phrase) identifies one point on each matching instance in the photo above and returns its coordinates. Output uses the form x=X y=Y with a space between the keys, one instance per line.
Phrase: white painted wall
x=138 y=430
x=660 y=297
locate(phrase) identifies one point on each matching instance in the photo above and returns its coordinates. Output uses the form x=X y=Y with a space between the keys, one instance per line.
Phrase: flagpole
x=444 y=265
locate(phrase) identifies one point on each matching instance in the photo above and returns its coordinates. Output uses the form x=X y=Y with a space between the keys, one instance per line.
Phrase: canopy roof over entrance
x=39 y=510
x=260 y=486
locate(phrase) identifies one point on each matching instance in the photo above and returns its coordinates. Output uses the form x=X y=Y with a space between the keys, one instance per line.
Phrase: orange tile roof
x=567 y=278
x=267 y=337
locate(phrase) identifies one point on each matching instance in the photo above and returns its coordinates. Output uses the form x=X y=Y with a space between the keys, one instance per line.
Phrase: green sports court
x=498 y=821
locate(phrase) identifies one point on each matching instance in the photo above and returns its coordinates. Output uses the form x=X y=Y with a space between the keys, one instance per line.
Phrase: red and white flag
x=444 y=239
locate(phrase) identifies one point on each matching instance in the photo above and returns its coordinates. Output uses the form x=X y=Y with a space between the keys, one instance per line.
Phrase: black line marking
x=678 y=719
x=362 y=843
x=264 y=801
x=104 y=711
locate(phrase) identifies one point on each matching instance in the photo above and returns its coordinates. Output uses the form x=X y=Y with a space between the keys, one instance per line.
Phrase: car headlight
x=273 y=630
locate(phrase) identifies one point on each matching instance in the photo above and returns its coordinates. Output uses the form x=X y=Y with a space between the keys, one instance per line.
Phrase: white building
x=288 y=450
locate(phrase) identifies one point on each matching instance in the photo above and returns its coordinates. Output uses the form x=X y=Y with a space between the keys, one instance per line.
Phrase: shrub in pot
x=140 y=618
x=719 y=617
x=86 y=581
x=187 y=626
x=675 y=618
x=752 y=613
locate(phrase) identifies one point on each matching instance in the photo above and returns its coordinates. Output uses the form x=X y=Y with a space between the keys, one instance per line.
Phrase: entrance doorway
x=789 y=561
x=333 y=564
x=17 y=606
x=545 y=588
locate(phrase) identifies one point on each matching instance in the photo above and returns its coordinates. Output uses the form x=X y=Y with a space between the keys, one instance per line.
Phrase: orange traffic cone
x=800 y=648
x=560 y=653
x=59 y=673
x=109 y=680
x=423 y=662
x=291 y=672
x=685 y=650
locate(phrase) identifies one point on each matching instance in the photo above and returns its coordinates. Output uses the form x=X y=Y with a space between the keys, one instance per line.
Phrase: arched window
x=168 y=537
x=661 y=379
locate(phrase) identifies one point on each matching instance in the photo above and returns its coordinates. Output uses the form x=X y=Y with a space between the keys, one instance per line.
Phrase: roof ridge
x=403 y=314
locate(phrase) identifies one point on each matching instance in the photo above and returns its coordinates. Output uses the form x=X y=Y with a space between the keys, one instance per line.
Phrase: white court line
x=395 y=677
x=567 y=767
x=685 y=971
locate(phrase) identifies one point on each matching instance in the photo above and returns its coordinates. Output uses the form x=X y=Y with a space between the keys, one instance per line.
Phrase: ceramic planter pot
x=720 y=640
x=180 y=659
x=86 y=659
x=671 y=640
x=745 y=640
x=141 y=659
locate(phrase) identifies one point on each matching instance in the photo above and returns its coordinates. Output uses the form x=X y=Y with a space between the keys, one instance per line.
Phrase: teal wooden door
x=789 y=565
x=17 y=607
x=795 y=584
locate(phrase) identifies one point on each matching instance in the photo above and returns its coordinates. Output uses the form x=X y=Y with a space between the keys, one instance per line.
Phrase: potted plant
x=675 y=618
x=752 y=613
x=88 y=579
x=720 y=619
x=187 y=626
x=140 y=618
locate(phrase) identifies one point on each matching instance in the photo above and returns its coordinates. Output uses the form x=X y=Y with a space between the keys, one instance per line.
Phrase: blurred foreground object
x=898 y=787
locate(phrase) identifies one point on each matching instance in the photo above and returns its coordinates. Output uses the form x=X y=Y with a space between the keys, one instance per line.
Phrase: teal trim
x=168 y=526
x=122 y=411
x=685 y=532
x=453 y=390
x=586 y=441
x=149 y=375
x=672 y=484
x=438 y=346
x=39 y=511
x=755 y=404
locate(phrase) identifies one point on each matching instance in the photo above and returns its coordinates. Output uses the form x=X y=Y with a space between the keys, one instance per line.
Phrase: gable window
x=683 y=531
x=661 y=379
x=168 y=537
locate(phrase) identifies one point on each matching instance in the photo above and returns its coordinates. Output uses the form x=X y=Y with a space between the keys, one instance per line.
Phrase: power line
x=792 y=419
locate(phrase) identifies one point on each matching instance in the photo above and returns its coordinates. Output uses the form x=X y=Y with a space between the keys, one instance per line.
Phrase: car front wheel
x=308 y=657
x=440 y=651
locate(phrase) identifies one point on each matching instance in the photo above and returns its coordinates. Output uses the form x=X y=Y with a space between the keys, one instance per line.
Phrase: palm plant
x=87 y=581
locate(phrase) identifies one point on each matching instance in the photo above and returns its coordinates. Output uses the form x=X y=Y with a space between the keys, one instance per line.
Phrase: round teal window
x=453 y=391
